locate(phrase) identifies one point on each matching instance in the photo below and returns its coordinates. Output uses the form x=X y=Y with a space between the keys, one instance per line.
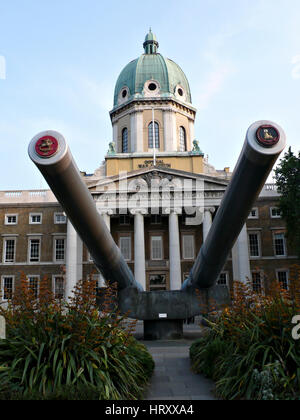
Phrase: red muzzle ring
x=267 y=135
x=46 y=146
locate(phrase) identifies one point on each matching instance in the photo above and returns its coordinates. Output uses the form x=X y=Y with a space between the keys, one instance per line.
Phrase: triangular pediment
x=146 y=176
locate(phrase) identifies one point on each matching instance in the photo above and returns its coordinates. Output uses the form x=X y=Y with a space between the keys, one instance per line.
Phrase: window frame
x=34 y=276
x=183 y=236
x=6 y=223
x=54 y=278
x=258 y=244
x=55 y=239
x=60 y=214
x=4 y=259
x=256 y=216
x=125 y=130
x=182 y=130
x=261 y=278
x=122 y=237
x=31 y=215
x=283 y=270
x=34 y=238
x=226 y=273
x=155 y=237
x=284 y=255
x=2 y=289
x=155 y=141
x=277 y=216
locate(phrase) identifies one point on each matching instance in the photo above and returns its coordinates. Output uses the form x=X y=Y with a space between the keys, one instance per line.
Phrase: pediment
x=163 y=176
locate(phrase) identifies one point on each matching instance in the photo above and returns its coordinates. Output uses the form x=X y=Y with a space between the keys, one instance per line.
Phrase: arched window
x=150 y=135
x=125 y=140
x=182 y=139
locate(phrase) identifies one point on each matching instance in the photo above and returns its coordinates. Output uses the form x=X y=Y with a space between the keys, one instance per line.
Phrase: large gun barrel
x=264 y=143
x=50 y=153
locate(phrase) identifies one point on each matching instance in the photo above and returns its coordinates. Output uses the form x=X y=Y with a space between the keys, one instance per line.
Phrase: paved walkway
x=173 y=378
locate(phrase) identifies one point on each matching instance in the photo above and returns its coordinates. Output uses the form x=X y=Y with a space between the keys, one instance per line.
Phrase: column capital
x=210 y=209
x=103 y=211
x=143 y=212
x=175 y=210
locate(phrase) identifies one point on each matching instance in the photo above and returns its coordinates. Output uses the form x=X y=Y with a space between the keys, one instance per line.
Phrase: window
x=223 y=279
x=279 y=245
x=283 y=278
x=125 y=140
x=125 y=247
x=182 y=139
x=11 y=219
x=188 y=247
x=60 y=218
x=58 y=287
x=7 y=287
x=257 y=281
x=156 y=248
x=34 y=250
x=59 y=249
x=124 y=220
x=254 y=248
x=35 y=218
x=9 y=250
x=275 y=213
x=253 y=213
x=150 y=135
x=34 y=282
x=157 y=282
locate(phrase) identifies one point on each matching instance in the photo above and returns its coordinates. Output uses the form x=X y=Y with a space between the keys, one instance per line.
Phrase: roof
x=152 y=66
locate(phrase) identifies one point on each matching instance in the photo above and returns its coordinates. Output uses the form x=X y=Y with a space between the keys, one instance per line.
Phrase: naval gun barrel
x=51 y=154
x=264 y=142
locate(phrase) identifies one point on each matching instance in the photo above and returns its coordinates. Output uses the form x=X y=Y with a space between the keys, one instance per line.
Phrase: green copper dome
x=151 y=75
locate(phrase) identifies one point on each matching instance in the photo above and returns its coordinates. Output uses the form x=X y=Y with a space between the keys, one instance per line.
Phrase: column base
x=163 y=330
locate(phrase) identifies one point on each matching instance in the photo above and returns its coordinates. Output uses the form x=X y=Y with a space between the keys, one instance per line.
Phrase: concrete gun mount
x=163 y=313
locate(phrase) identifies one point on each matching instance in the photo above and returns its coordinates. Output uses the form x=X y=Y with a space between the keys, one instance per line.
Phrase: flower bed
x=249 y=350
x=59 y=350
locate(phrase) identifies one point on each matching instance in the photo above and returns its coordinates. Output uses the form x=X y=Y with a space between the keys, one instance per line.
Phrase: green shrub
x=249 y=350
x=56 y=350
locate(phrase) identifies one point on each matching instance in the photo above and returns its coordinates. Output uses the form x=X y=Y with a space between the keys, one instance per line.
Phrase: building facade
x=156 y=192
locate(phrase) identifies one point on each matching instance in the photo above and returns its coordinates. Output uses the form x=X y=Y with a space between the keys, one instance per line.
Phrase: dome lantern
x=151 y=44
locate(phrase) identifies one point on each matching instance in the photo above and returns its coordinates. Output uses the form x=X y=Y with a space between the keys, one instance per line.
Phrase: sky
x=60 y=60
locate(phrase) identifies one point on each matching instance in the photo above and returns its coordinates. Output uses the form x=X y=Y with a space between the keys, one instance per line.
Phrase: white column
x=105 y=213
x=170 y=138
x=2 y=328
x=115 y=136
x=136 y=127
x=174 y=250
x=192 y=132
x=207 y=221
x=240 y=258
x=139 y=247
x=73 y=260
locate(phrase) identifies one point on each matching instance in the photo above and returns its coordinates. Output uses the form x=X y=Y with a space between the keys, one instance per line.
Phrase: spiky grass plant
x=60 y=350
x=249 y=349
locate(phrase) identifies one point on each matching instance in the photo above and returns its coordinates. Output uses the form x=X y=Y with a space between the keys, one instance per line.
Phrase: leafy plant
x=249 y=350
x=60 y=350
